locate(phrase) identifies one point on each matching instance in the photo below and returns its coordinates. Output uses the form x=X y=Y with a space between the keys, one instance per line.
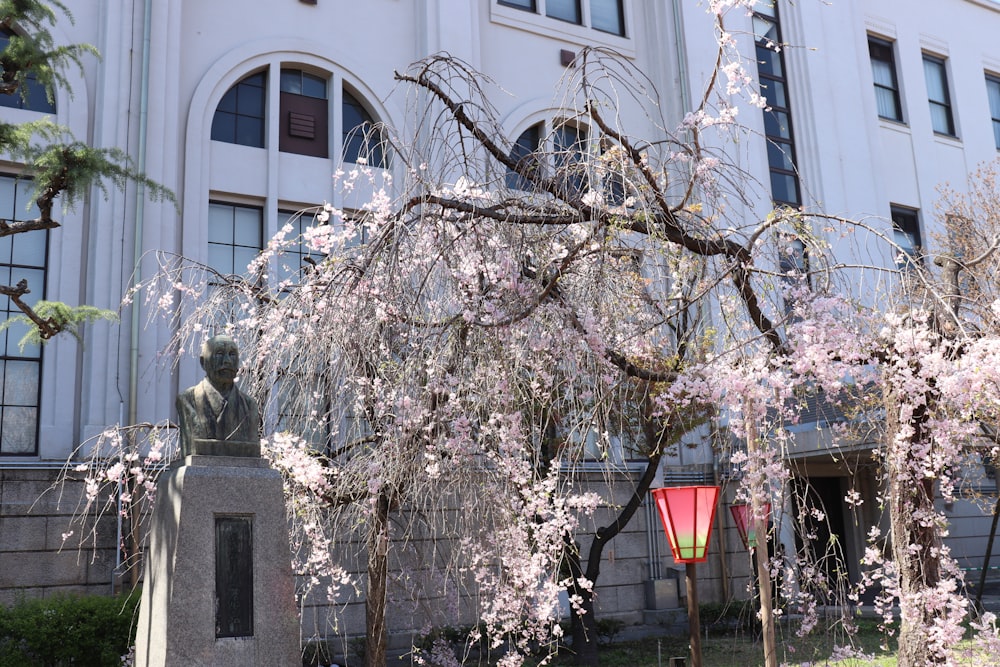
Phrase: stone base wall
x=35 y=561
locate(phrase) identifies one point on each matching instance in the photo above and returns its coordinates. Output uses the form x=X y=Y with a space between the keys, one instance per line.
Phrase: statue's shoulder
x=189 y=395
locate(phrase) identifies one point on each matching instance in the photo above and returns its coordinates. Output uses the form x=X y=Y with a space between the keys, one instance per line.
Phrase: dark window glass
x=523 y=153
x=769 y=62
x=937 y=96
x=34 y=97
x=564 y=10
x=363 y=142
x=234 y=236
x=777 y=117
x=993 y=91
x=303 y=83
x=906 y=234
x=777 y=124
x=884 y=76
x=779 y=155
x=607 y=16
x=239 y=118
x=22 y=256
x=520 y=4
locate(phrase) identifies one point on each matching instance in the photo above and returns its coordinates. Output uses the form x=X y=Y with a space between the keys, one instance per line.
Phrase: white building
x=245 y=109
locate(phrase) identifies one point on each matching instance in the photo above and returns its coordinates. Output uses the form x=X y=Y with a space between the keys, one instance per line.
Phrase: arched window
x=362 y=142
x=239 y=118
x=304 y=118
x=566 y=146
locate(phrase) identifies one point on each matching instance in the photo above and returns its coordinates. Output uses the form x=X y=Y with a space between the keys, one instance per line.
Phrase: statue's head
x=221 y=360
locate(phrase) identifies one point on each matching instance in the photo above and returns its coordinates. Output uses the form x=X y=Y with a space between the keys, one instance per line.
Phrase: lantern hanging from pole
x=687 y=513
x=744 y=522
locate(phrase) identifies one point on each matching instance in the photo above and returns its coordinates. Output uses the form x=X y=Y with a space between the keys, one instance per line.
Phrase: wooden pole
x=694 y=623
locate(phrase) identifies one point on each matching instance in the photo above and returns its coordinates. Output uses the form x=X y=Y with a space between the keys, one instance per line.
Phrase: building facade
x=246 y=110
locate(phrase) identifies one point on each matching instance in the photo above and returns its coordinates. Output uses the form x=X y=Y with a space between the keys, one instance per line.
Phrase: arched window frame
x=274 y=181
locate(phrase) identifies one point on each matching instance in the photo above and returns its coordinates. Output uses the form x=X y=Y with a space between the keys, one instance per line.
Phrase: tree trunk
x=911 y=497
x=377 y=637
x=757 y=500
x=583 y=626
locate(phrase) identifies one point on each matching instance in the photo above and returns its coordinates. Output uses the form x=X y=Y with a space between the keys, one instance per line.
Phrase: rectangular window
x=607 y=16
x=937 y=95
x=297 y=256
x=777 y=117
x=906 y=235
x=884 y=75
x=22 y=257
x=993 y=91
x=234 y=236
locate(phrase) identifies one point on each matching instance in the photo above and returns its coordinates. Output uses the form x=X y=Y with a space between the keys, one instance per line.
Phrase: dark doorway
x=821 y=532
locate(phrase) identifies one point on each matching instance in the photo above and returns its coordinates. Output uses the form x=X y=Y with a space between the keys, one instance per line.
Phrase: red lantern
x=744 y=523
x=687 y=513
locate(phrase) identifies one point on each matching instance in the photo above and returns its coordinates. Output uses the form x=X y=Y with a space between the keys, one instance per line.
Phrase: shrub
x=84 y=631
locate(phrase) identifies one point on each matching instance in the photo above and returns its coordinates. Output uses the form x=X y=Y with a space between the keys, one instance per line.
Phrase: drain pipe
x=140 y=209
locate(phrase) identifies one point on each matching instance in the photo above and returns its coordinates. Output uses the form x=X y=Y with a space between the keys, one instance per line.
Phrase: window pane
x=937 y=89
x=29 y=248
x=996 y=133
x=15 y=333
x=882 y=73
x=565 y=10
x=291 y=81
x=941 y=118
x=774 y=92
x=784 y=188
x=769 y=62
x=520 y=152
x=250 y=100
x=24 y=207
x=993 y=91
x=885 y=101
x=776 y=124
x=220 y=258
x=220 y=223
x=247 y=224
x=36 y=283
x=242 y=258
x=224 y=127
x=779 y=156
x=20 y=383
x=520 y=4
x=249 y=131
x=228 y=101
x=313 y=86
x=606 y=15
x=17 y=430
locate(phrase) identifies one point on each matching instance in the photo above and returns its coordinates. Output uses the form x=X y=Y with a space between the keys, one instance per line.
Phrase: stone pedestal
x=218 y=587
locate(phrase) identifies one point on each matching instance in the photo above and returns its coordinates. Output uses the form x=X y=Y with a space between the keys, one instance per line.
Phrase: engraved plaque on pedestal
x=233 y=576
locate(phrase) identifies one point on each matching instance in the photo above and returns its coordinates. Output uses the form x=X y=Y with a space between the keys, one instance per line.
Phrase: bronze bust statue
x=215 y=417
